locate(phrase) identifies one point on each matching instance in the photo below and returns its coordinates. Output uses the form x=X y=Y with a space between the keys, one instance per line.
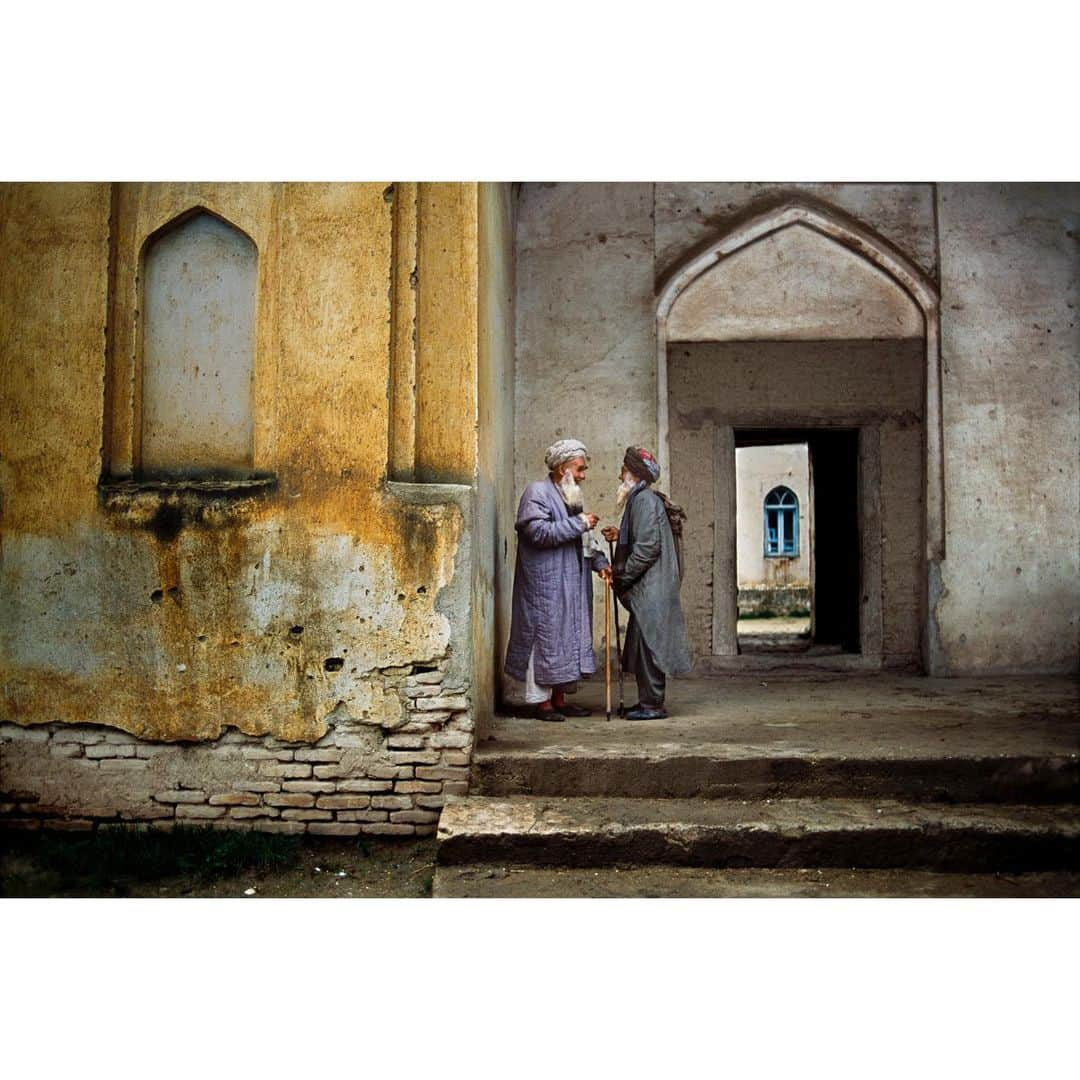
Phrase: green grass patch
x=769 y=613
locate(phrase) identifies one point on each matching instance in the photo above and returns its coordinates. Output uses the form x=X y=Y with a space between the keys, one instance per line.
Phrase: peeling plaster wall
x=175 y=614
x=1010 y=584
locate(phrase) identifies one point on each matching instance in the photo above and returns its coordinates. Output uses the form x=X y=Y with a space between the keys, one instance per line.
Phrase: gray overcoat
x=646 y=579
x=552 y=591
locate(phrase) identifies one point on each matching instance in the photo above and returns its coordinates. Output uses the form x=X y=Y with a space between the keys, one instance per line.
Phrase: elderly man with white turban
x=550 y=645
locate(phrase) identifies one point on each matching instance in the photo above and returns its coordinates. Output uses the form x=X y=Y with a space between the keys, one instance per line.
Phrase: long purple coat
x=552 y=591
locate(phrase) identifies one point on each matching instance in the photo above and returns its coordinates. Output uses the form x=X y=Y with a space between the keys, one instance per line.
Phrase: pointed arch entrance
x=808 y=279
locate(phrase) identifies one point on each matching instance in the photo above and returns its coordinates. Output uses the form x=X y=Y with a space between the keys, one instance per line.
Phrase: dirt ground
x=322 y=869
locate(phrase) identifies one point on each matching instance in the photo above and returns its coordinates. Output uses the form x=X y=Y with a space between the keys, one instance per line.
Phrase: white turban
x=564 y=450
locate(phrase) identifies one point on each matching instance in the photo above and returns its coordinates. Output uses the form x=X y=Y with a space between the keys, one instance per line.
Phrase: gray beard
x=571 y=493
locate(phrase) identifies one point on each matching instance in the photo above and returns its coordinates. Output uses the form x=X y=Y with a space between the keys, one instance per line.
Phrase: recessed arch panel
x=864 y=244
x=198 y=346
x=796 y=283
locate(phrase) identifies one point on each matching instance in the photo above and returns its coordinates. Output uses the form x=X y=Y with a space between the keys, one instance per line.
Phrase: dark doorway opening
x=834 y=547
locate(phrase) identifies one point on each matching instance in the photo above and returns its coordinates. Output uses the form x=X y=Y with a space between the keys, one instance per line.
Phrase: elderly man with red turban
x=646 y=576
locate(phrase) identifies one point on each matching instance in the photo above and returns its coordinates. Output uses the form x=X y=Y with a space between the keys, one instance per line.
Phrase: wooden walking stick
x=607 y=646
x=618 y=636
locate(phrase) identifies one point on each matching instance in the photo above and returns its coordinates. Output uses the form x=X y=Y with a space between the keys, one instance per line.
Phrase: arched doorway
x=801 y=324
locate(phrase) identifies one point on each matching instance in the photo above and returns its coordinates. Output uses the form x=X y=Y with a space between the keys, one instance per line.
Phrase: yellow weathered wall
x=446 y=333
x=53 y=282
x=174 y=626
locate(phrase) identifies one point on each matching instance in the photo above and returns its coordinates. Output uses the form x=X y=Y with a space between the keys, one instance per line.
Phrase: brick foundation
x=358 y=778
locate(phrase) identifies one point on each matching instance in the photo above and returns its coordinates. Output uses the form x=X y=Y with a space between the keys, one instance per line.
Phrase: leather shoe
x=574 y=710
x=551 y=714
x=643 y=712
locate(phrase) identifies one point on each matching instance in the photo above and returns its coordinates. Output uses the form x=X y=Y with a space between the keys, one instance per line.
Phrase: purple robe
x=552 y=591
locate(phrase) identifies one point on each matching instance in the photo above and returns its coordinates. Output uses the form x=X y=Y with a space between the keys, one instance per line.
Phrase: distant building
x=775 y=527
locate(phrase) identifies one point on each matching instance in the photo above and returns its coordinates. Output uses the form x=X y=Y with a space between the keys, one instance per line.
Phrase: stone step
x=639 y=882
x=788 y=833
x=720 y=771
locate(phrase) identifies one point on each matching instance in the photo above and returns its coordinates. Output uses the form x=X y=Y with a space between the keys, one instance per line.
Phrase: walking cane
x=618 y=636
x=607 y=646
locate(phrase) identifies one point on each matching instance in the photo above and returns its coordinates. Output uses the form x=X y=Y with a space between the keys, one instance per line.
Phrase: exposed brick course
x=236 y=798
x=363 y=815
x=415 y=816
x=306 y=815
x=201 y=812
x=355 y=779
x=389 y=829
x=110 y=750
x=318 y=755
x=364 y=786
x=391 y=802
x=246 y=813
x=333 y=828
x=122 y=764
x=296 y=799
x=343 y=802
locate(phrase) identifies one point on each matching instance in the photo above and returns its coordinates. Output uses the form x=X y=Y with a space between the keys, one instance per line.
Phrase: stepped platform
x=812 y=784
x=958 y=740
x=731 y=833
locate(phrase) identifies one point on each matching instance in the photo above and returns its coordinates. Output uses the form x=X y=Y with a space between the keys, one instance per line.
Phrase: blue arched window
x=781 y=523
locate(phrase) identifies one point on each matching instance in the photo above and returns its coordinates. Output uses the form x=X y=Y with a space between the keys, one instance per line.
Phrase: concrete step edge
x=722 y=774
x=789 y=833
x=537 y=814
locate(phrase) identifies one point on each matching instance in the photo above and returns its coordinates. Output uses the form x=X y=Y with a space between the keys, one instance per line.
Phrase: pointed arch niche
x=198 y=348
x=186 y=396
x=802 y=318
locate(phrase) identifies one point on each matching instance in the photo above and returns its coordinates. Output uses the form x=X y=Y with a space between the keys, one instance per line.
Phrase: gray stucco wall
x=1010 y=259
x=585 y=339
x=688 y=215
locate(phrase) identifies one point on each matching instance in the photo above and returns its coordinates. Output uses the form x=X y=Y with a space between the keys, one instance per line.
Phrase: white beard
x=623 y=493
x=575 y=504
x=571 y=493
